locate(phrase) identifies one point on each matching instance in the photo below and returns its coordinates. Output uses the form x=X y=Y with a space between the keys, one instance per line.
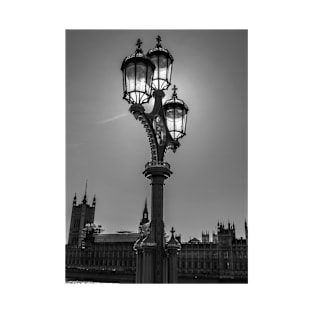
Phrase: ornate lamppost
x=144 y=76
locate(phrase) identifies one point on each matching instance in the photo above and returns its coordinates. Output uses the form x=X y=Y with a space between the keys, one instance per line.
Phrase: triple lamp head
x=147 y=74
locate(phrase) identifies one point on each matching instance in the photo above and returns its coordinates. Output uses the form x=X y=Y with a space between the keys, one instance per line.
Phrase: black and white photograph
x=156 y=156
x=143 y=143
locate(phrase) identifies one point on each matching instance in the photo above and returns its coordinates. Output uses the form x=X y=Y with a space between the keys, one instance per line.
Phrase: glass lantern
x=163 y=61
x=137 y=77
x=176 y=116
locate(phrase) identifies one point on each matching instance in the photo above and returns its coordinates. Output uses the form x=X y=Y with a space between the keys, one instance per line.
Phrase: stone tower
x=81 y=215
x=226 y=237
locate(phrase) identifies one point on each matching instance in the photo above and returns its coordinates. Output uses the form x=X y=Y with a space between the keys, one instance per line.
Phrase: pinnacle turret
x=85 y=196
x=145 y=215
x=74 y=200
x=246 y=229
x=173 y=243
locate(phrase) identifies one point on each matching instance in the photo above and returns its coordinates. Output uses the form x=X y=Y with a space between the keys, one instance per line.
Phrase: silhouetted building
x=223 y=258
x=104 y=252
x=226 y=257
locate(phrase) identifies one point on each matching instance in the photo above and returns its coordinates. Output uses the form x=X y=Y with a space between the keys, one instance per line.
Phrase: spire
x=145 y=214
x=94 y=201
x=74 y=200
x=173 y=243
x=85 y=196
x=172 y=232
x=246 y=229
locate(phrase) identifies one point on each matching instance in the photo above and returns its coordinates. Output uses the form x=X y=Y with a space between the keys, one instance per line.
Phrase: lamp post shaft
x=157 y=225
x=157 y=174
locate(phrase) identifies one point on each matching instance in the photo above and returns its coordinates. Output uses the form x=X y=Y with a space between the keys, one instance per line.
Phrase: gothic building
x=82 y=214
x=224 y=258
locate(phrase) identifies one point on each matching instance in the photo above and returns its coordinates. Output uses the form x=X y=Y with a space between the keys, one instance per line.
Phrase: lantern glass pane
x=130 y=77
x=160 y=75
x=137 y=80
x=169 y=71
x=169 y=115
x=149 y=79
x=154 y=60
x=140 y=77
x=175 y=120
x=178 y=123
x=184 y=123
x=162 y=67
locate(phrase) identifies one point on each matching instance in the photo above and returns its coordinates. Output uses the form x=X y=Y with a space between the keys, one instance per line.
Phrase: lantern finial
x=138 y=44
x=174 y=91
x=158 y=39
x=172 y=231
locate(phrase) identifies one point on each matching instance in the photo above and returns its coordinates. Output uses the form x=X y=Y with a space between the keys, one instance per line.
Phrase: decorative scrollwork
x=152 y=141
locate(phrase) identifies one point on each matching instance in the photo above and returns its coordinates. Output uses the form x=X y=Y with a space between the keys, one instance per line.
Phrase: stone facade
x=225 y=257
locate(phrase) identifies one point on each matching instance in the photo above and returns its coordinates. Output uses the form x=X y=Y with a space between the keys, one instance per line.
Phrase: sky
x=108 y=147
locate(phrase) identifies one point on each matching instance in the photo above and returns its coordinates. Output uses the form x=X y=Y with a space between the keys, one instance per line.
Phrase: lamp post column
x=157 y=173
x=165 y=125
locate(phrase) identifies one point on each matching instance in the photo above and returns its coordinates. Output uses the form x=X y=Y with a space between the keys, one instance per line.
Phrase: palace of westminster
x=222 y=258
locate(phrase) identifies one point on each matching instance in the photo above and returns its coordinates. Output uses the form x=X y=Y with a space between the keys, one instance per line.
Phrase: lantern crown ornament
x=137 y=71
x=163 y=61
x=176 y=115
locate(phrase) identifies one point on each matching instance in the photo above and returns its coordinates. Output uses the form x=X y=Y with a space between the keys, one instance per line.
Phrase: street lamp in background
x=146 y=76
